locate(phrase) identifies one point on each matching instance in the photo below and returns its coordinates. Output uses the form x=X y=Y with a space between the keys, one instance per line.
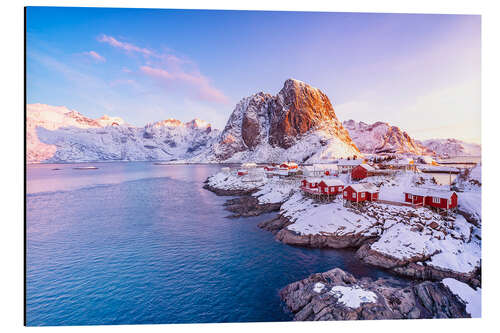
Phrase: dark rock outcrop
x=249 y=206
x=321 y=240
x=275 y=224
x=313 y=299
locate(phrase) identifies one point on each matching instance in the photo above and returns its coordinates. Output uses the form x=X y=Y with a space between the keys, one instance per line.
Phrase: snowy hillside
x=58 y=134
x=452 y=147
x=382 y=138
x=297 y=124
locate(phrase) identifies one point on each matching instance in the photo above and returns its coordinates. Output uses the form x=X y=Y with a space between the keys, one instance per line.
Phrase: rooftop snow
x=364 y=187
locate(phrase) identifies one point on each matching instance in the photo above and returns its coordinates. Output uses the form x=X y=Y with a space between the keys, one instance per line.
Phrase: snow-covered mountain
x=58 y=134
x=382 y=138
x=297 y=124
x=452 y=147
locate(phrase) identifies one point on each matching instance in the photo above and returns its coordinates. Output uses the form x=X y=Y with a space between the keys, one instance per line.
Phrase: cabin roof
x=326 y=166
x=350 y=162
x=429 y=192
x=314 y=180
x=364 y=187
x=332 y=182
x=367 y=167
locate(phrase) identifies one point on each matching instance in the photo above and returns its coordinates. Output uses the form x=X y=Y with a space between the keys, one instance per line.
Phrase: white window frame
x=436 y=200
x=354 y=195
x=410 y=196
x=345 y=193
x=362 y=195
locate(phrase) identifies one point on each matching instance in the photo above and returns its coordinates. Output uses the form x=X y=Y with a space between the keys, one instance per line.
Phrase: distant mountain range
x=297 y=124
x=57 y=134
x=382 y=138
x=451 y=147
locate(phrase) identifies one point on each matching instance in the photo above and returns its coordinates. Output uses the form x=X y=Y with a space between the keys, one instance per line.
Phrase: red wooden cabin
x=361 y=192
x=313 y=182
x=361 y=171
x=414 y=198
x=432 y=198
x=242 y=172
x=331 y=186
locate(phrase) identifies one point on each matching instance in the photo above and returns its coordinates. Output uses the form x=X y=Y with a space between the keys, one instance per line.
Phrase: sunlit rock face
x=269 y=125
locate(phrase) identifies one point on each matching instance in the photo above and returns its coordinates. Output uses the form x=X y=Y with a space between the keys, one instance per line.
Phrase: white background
x=12 y=171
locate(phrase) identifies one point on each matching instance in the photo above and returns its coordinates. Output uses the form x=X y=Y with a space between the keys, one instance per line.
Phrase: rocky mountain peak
x=170 y=122
x=198 y=123
x=297 y=109
x=281 y=121
x=110 y=121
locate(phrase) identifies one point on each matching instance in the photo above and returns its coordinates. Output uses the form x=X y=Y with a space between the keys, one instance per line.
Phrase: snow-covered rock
x=381 y=137
x=471 y=297
x=58 y=134
x=337 y=295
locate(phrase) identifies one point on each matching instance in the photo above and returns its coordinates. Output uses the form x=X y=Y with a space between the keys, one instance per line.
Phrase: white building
x=347 y=165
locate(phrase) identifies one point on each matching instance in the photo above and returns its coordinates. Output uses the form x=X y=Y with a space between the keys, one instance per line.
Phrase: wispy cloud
x=96 y=56
x=124 y=45
x=169 y=68
x=200 y=83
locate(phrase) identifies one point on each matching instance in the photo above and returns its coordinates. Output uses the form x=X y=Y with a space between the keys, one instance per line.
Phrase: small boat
x=85 y=168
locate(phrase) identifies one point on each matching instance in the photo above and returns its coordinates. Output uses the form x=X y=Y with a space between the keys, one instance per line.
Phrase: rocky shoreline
x=249 y=206
x=337 y=295
x=416 y=268
x=423 y=257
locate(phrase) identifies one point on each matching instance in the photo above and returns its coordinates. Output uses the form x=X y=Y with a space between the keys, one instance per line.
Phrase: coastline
x=418 y=267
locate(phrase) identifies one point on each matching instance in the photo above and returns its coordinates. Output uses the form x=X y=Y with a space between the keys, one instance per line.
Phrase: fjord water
x=138 y=243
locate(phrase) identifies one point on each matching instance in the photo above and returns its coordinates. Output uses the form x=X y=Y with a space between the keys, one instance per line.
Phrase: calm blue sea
x=138 y=243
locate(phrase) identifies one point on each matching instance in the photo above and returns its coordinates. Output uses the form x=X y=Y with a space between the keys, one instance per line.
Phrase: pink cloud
x=169 y=68
x=200 y=83
x=96 y=56
x=124 y=45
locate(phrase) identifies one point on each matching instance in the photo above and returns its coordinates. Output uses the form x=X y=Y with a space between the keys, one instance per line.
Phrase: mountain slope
x=57 y=134
x=298 y=124
x=381 y=137
x=452 y=147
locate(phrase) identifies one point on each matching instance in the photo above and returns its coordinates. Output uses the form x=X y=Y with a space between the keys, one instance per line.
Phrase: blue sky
x=419 y=72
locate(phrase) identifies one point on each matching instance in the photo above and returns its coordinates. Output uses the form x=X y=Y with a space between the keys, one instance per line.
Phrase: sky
x=419 y=72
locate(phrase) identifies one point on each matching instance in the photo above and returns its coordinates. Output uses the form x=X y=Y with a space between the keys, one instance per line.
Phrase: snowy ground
x=277 y=190
x=310 y=218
